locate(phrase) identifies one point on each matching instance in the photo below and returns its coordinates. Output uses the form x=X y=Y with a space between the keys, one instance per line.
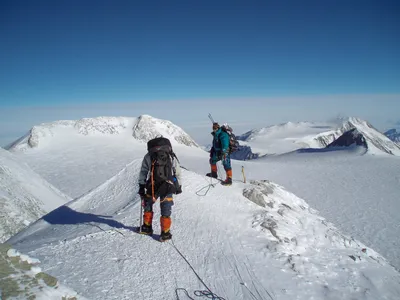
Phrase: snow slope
x=247 y=241
x=24 y=195
x=93 y=149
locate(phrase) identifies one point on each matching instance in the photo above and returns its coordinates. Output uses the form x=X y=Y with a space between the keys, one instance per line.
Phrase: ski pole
x=141 y=214
x=244 y=177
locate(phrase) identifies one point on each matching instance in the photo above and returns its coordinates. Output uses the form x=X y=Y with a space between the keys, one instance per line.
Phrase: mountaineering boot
x=212 y=174
x=165 y=228
x=228 y=180
x=146 y=229
x=165 y=236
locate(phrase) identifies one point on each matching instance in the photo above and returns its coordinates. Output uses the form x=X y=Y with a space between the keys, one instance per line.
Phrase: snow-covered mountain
x=24 y=195
x=290 y=136
x=244 y=153
x=93 y=148
x=350 y=138
x=237 y=242
x=376 y=142
x=147 y=127
x=393 y=134
x=283 y=138
x=142 y=129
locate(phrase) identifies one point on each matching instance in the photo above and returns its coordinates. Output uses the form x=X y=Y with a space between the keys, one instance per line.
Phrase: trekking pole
x=141 y=214
x=244 y=177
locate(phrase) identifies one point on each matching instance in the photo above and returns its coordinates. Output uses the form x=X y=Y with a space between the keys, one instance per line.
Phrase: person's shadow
x=65 y=215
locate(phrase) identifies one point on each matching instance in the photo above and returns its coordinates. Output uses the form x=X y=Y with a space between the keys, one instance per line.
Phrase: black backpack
x=233 y=142
x=161 y=154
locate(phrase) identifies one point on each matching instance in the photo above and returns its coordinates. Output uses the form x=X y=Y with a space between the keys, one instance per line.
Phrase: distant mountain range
x=287 y=137
x=272 y=140
x=393 y=134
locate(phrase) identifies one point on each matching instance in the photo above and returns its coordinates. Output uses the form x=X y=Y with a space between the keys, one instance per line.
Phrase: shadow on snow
x=65 y=215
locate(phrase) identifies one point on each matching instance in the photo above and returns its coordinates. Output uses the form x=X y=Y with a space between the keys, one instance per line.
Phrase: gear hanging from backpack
x=233 y=142
x=162 y=179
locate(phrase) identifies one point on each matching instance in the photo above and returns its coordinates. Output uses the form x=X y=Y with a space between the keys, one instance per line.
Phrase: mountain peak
x=365 y=134
x=142 y=128
x=148 y=127
x=349 y=138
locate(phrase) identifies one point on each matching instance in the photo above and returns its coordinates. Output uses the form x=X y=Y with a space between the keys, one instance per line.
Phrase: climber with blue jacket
x=220 y=151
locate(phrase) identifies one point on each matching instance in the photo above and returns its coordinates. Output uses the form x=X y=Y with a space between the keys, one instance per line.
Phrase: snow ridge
x=142 y=128
x=276 y=233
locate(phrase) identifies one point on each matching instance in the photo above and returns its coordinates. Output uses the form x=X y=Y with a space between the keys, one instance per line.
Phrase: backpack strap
x=173 y=156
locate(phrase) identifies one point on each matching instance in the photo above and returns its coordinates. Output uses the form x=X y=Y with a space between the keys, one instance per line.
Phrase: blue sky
x=58 y=55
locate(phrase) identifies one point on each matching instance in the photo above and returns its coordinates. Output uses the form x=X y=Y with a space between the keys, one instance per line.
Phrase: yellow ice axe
x=244 y=177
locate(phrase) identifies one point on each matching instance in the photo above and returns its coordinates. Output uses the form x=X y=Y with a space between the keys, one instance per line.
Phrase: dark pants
x=226 y=161
x=166 y=204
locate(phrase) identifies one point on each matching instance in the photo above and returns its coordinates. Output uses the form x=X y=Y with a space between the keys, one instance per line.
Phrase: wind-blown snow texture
x=24 y=195
x=247 y=241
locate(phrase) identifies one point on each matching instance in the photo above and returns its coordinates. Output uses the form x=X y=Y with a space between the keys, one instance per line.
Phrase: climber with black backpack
x=159 y=178
x=221 y=150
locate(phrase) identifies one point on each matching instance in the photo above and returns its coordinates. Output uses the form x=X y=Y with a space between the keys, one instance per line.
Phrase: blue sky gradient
x=61 y=53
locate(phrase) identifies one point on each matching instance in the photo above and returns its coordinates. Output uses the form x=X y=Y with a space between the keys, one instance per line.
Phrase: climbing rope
x=206 y=293
x=207 y=188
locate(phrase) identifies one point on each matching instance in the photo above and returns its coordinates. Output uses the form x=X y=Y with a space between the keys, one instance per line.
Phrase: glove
x=178 y=190
x=222 y=156
x=142 y=191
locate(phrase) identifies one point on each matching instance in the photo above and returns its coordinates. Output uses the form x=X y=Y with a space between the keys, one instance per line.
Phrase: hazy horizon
x=242 y=114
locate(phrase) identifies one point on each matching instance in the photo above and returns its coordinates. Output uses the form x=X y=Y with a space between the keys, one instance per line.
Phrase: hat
x=215 y=126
